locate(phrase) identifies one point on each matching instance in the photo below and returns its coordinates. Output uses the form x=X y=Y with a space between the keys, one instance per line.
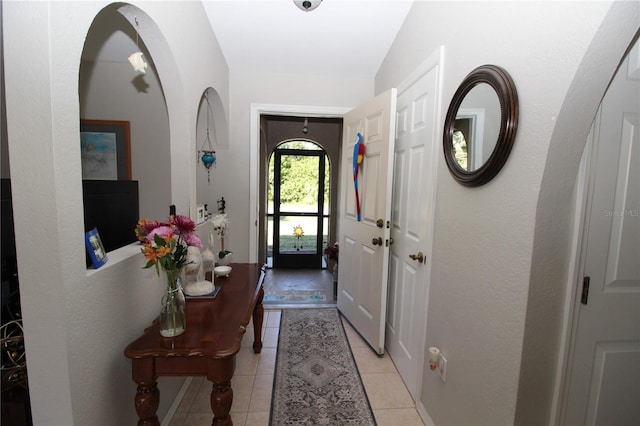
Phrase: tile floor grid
x=252 y=384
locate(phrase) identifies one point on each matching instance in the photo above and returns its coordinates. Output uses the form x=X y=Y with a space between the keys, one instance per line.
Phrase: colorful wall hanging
x=358 y=156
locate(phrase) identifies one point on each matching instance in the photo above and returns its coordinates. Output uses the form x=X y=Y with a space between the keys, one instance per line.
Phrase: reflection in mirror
x=460 y=143
x=480 y=125
x=478 y=120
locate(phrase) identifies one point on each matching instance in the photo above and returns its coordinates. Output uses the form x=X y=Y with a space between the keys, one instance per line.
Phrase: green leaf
x=160 y=242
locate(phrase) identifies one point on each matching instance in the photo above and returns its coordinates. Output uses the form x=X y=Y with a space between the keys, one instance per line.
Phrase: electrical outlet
x=442 y=367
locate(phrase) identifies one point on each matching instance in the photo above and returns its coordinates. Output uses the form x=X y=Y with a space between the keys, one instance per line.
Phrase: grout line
x=166 y=420
x=269 y=310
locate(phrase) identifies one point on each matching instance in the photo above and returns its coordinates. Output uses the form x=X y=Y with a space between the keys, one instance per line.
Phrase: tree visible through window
x=460 y=149
x=299 y=177
x=299 y=196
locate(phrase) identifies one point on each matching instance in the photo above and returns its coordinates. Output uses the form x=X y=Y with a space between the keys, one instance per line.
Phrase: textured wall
x=481 y=285
x=77 y=322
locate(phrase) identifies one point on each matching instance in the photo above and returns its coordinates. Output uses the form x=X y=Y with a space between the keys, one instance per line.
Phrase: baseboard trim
x=422 y=411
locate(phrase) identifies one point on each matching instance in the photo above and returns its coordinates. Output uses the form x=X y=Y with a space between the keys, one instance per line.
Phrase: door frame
x=254 y=155
x=582 y=210
x=575 y=269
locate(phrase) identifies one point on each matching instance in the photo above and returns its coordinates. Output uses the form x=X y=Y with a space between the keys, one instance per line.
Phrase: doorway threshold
x=267 y=305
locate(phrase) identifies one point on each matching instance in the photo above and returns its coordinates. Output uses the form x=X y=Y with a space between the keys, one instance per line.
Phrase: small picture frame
x=201 y=215
x=96 y=251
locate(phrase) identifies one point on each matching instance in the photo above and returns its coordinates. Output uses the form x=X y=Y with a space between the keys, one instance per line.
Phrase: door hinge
x=585 y=290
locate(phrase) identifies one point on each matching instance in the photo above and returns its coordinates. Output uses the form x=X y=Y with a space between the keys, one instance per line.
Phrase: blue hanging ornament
x=208 y=159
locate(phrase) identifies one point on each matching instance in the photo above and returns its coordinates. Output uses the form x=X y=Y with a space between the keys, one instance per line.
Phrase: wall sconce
x=206 y=154
x=135 y=59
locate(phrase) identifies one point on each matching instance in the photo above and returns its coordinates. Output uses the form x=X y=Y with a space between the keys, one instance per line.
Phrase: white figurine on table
x=194 y=283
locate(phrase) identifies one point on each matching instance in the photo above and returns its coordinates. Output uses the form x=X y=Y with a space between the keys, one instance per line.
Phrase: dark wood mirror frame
x=502 y=83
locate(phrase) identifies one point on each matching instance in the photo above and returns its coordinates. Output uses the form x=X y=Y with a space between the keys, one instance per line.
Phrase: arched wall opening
x=152 y=103
x=81 y=319
x=113 y=96
x=212 y=133
x=181 y=142
x=550 y=282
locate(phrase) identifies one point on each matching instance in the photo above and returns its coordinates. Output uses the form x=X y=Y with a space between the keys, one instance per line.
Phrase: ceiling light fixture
x=307 y=5
x=135 y=59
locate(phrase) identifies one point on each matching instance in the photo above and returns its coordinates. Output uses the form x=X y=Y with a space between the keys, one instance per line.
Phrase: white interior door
x=412 y=226
x=604 y=375
x=364 y=244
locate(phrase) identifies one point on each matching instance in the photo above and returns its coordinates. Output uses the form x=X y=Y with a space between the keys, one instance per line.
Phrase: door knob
x=377 y=241
x=419 y=257
x=380 y=223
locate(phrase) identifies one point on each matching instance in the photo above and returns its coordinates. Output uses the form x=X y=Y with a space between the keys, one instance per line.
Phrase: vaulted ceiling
x=349 y=38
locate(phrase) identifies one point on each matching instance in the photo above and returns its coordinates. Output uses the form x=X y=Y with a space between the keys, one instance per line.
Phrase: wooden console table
x=208 y=347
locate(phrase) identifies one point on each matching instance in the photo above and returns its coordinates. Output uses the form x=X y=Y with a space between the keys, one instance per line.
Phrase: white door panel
x=604 y=376
x=415 y=163
x=362 y=280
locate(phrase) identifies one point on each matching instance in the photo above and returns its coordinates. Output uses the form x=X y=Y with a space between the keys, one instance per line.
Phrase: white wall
x=232 y=172
x=110 y=95
x=484 y=287
x=77 y=322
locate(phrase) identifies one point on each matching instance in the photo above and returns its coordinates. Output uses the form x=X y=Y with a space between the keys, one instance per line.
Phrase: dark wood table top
x=215 y=326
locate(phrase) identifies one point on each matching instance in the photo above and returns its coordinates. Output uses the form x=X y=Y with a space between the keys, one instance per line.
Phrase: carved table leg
x=220 y=371
x=258 y=316
x=148 y=396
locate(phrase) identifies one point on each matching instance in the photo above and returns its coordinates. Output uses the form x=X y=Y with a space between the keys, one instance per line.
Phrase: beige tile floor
x=253 y=380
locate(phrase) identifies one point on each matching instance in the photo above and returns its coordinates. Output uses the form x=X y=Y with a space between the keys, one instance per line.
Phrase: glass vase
x=208 y=258
x=173 y=321
x=223 y=257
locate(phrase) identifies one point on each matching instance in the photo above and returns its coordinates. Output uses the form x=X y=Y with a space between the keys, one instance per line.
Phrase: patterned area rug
x=298 y=296
x=316 y=380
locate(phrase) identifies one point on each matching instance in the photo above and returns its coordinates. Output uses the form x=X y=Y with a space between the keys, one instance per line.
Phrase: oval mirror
x=480 y=125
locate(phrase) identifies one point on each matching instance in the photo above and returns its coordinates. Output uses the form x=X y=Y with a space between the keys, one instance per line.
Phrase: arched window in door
x=298 y=207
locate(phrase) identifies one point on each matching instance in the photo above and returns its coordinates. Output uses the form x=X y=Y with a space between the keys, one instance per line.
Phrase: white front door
x=415 y=165
x=364 y=243
x=604 y=375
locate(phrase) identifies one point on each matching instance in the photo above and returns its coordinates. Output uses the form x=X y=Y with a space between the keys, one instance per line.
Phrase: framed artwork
x=105 y=148
x=96 y=251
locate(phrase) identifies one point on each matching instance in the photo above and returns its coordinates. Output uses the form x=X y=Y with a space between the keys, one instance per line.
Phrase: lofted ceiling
x=339 y=37
x=349 y=38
